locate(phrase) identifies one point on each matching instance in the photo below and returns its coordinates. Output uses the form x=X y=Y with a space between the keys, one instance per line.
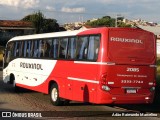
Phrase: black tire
x=12 y=81
x=54 y=95
x=16 y=88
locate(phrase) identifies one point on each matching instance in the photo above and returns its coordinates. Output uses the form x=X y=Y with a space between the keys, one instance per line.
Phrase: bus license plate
x=131 y=91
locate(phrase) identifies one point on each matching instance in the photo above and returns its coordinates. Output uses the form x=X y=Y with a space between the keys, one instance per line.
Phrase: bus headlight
x=152 y=89
x=106 y=88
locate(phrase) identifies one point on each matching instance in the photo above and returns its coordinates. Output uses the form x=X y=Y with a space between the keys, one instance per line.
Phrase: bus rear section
x=129 y=73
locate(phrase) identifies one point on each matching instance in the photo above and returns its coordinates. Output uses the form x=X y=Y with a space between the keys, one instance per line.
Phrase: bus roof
x=48 y=35
x=67 y=33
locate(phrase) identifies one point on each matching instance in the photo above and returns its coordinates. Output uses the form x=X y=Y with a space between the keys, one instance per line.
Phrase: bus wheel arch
x=50 y=84
x=12 y=78
x=54 y=94
x=13 y=82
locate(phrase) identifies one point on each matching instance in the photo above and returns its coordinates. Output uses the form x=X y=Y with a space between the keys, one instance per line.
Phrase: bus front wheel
x=13 y=82
x=54 y=95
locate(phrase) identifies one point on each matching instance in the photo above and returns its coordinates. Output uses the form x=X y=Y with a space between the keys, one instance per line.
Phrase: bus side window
x=96 y=46
x=55 y=48
x=35 y=48
x=44 y=48
x=71 y=48
x=41 y=48
x=9 y=52
x=48 y=48
x=93 y=48
x=63 y=48
x=16 y=50
x=25 y=49
x=21 y=48
x=82 y=47
x=29 y=48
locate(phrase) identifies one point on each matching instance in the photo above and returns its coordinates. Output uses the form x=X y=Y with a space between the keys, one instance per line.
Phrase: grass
x=158 y=65
x=158 y=72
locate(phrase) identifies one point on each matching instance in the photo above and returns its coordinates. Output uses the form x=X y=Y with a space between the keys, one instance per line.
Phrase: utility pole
x=116 y=21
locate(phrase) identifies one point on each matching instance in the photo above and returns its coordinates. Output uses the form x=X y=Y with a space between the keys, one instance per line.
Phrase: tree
x=50 y=25
x=42 y=24
x=122 y=24
x=37 y=20
x=107 y=21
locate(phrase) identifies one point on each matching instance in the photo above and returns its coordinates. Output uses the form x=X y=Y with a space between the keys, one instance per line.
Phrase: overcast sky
x=81 y=10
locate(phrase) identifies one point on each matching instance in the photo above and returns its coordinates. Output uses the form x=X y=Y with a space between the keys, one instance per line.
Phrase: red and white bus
x=98 y=65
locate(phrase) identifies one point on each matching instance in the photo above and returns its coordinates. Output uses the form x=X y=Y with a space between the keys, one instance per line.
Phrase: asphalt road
x=30 y=101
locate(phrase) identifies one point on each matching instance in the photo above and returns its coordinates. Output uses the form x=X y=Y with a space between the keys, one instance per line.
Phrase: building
x=12 y=28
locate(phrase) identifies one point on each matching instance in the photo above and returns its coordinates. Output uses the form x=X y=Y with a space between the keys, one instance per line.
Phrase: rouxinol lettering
x=31 y=65
x=126 y=40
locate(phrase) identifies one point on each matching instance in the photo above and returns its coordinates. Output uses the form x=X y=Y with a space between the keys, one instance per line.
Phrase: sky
x=67 y=11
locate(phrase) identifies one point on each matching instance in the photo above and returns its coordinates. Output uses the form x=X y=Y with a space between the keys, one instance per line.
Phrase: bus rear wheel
x=54 y=95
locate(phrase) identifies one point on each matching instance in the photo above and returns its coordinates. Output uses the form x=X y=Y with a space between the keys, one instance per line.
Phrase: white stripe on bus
x=83 y=80
x=96 y=63
x=111 y=83
x=153 y=66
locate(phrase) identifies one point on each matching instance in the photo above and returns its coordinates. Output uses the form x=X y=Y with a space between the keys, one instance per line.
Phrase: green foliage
x=158 y=61
x=158 y=66
x=42 y=24
x=158 y=72
x=50 y=25
x=122 y=24
x=36 y=19
x=108 y=22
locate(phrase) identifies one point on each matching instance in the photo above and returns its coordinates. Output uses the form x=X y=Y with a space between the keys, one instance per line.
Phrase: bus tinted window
x=55 y=48
x=45 y=48
x=41 y=48
x=17 y=48
x=25 y=48
x=28 y=51
x=48 y=44
x=71 y=48
x=63 y=47
x=82 y=47
x=9 y=52
x=87 y=47
x=35 y=49
x=21 y=48
x=93 y=47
